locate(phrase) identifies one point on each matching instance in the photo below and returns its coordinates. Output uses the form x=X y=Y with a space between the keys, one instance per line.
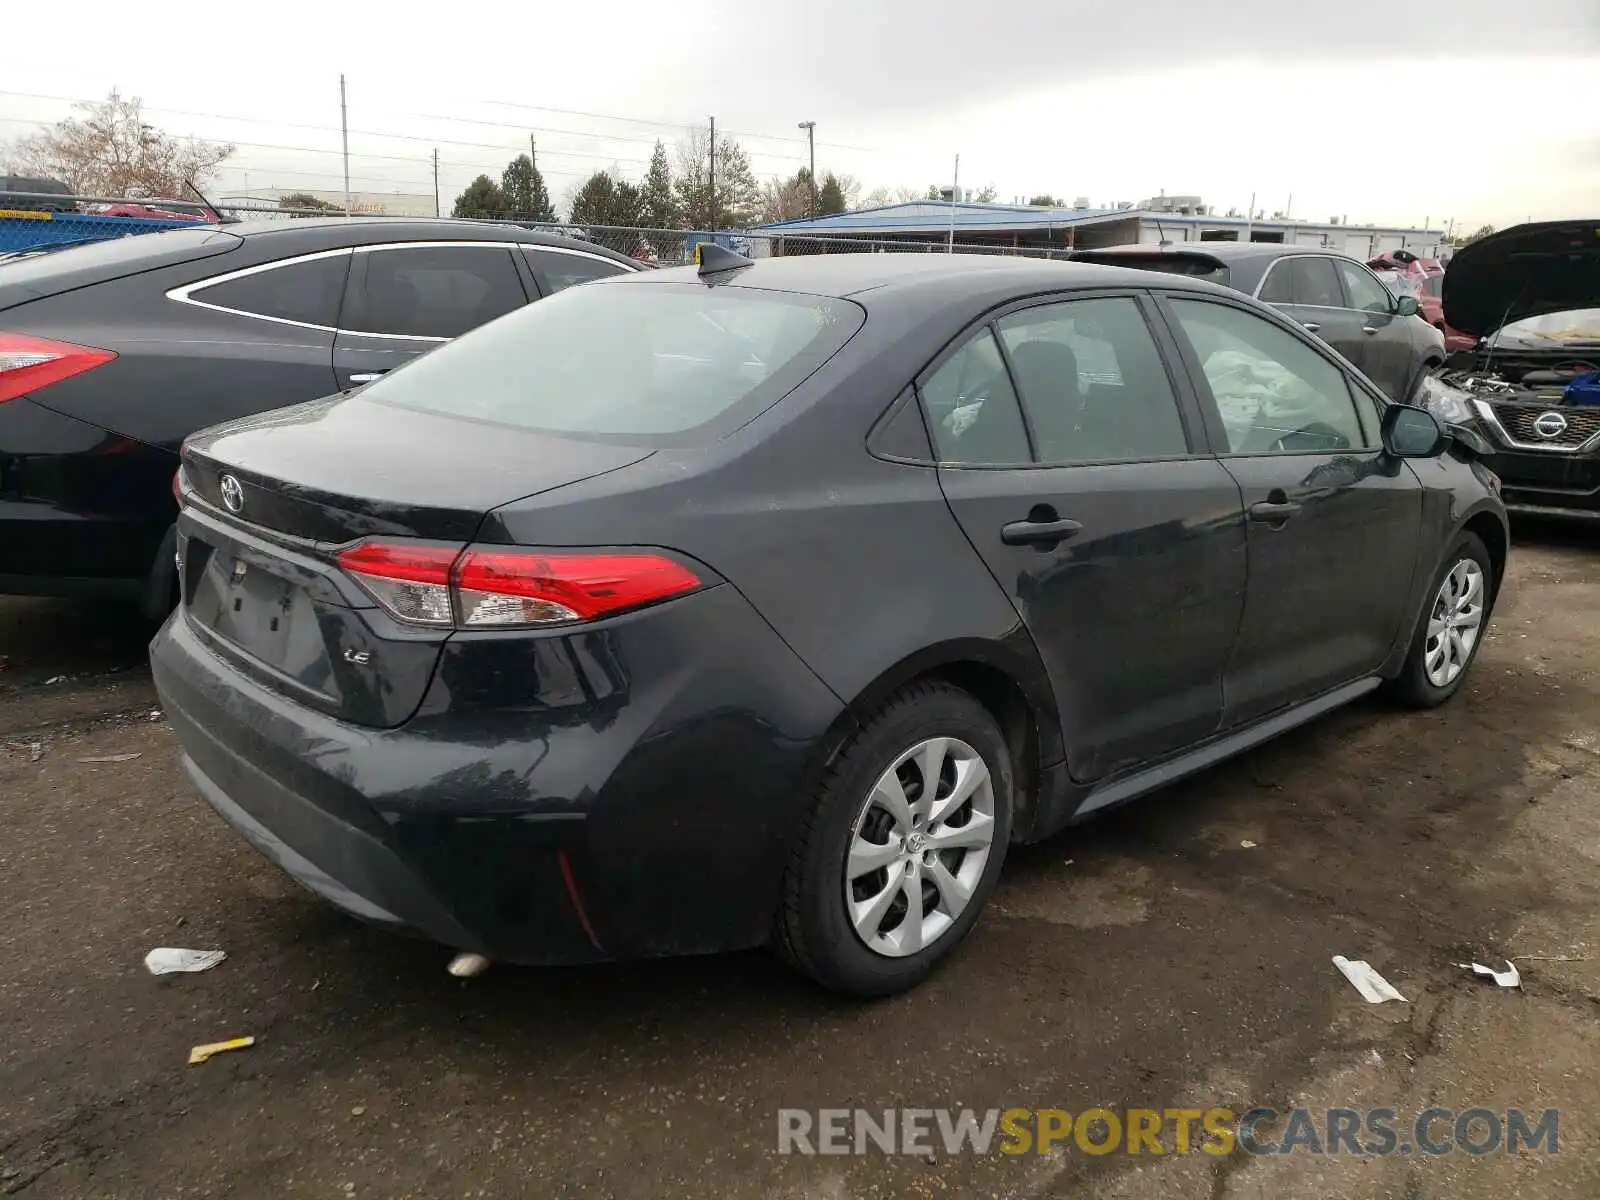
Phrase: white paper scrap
x=164 y=960
x=1509 y=978
x=1374 y=988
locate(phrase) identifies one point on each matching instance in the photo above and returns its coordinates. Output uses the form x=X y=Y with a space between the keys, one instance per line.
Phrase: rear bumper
x=637 y=799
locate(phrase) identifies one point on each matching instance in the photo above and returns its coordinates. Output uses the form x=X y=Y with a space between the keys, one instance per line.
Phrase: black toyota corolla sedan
x=771 y=603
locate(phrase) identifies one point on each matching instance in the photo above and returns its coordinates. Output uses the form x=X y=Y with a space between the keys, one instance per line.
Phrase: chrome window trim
x=576 y=253
x=1486 y=412
x=185 y=293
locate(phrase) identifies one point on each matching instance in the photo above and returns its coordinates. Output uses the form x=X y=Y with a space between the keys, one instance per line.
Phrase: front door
x=403 y=301
x=1333 y=521
x=1084 y=484
x=1386 y=356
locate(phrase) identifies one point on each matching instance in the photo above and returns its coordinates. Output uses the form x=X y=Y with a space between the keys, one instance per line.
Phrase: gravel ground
x=1173 y=954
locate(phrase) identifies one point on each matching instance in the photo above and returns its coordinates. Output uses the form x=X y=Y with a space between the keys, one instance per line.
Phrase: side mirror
x=1407 y=306
x=1412 y=432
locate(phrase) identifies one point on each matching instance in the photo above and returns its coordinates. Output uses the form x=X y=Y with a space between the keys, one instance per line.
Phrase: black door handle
x=1034 y=533
x=1274 y=512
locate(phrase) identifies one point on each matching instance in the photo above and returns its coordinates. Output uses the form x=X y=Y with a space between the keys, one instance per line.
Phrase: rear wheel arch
x=991 y=675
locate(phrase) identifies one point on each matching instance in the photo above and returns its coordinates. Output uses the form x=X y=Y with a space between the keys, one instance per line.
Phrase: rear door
x=1306 y=288
x=1386 y=352
x=1333 y=520
x=1081 y=474
x=404 y=300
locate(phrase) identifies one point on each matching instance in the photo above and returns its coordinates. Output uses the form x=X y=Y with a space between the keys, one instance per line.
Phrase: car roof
x=336 y=231
x=846 y=275
x=1229 y=253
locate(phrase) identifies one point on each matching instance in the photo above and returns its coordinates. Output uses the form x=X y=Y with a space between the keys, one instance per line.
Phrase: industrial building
x=1025 y=227
x=382 y=204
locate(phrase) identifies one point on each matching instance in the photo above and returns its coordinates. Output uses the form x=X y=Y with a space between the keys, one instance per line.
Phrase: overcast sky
x=1380 y=110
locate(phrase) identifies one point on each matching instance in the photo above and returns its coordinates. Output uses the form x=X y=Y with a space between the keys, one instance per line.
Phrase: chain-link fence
x=39 y=221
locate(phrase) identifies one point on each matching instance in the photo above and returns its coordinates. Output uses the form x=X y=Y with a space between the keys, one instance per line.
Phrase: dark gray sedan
x=1337 y=298
x=771 y=603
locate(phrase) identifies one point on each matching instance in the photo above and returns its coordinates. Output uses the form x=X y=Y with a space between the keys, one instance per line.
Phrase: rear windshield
x=1198 y=266
x=655 y=364
x=112 y=257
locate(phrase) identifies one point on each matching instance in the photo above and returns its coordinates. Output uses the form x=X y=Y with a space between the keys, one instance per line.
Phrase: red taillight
x=29 y=363
x=499 y=587
x=483 y=588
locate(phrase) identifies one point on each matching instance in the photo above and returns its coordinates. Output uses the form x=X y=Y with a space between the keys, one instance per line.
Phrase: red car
x=1411 y=275
x=157 y=210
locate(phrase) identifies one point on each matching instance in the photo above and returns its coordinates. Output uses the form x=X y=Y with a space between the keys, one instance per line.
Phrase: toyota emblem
x=1550 y=424
x=233 y=494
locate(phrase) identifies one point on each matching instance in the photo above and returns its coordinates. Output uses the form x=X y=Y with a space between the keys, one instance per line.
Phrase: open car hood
x=1524 y=271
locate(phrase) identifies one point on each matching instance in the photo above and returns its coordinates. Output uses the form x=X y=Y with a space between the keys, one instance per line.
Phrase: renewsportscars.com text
x=1360 y=1132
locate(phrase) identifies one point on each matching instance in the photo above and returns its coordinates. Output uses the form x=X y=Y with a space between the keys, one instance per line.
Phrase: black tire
x=813 y=929
x=1412 y=686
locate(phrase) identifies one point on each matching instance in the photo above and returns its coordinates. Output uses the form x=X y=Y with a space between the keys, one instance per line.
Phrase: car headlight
x=1451 y=405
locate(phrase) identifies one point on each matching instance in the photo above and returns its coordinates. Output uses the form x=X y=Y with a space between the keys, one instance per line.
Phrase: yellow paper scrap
x=200 y=1053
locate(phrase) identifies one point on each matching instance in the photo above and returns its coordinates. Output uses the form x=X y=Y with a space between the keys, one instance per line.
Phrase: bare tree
x=880 y=195
x=786 y=199
x=109 y=150
x=738 y=196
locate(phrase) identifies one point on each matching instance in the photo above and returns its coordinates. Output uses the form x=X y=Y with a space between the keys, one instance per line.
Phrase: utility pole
x=955 y=191
x=436 y=181
x=811 y=144
x=711 y=198
x=1250 y=217
x=344 y=134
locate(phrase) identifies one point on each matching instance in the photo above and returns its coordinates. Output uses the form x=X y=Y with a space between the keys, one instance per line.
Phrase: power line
x=594 y=136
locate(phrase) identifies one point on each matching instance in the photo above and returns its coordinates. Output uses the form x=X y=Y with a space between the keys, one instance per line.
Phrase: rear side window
x=432 y=291
x=307 y=291
x=972 y=409
x=558 y=271
x=1309 y=281
x=659 y=364
x=1092 y=382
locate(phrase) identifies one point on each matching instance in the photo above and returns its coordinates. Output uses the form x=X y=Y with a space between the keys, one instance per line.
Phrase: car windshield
x=671 y=364
x=1574 y=325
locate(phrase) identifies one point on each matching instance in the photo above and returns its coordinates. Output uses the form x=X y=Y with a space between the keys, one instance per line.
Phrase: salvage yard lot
x=1151 y=959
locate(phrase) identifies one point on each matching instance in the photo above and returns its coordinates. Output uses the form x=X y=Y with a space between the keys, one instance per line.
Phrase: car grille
x=1518 y=420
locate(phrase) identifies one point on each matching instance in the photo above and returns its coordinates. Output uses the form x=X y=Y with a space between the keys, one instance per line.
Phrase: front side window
x=972 y=408
x=1365 y=292
x=433 y=291
x=1276 y=395
x=1092 y=382
x=557 y=271
x=1306 y=280
x=307 y=292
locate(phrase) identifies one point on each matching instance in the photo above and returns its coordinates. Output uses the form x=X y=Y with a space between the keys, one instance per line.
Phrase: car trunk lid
x=271 y=499
x=34 y=276
x=1525 y=271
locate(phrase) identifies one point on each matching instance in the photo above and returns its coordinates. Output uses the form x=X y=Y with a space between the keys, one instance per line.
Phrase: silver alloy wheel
x=918 y=847
x=1454 y=623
